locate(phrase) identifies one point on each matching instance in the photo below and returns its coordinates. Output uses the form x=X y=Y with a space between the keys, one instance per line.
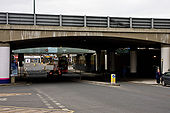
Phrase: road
x=86 y=97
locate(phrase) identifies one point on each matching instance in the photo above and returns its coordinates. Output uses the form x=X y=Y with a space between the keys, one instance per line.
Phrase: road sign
x=14 y=69
x=113 y=78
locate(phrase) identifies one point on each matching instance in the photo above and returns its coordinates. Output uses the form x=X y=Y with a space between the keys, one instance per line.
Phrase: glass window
x=167 y=74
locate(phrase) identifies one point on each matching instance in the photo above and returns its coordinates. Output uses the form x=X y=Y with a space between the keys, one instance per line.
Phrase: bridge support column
x=88 y=62
x=101 y=60
x=98 y=68
x=4 y=63
x=111 y=61
x=133 y=62
x=165 y=56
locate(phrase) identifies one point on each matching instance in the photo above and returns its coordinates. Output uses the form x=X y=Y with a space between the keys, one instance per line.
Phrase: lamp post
x=34 y=5
x=34 y=12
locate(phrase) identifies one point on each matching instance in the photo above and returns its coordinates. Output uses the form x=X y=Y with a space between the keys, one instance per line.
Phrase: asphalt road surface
x=69 y=95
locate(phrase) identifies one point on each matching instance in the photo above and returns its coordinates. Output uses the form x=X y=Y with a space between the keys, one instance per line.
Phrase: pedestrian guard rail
x=83 y=21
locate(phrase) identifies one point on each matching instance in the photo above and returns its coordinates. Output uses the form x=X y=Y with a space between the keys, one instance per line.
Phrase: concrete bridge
x=19 y=31
x=14 y=33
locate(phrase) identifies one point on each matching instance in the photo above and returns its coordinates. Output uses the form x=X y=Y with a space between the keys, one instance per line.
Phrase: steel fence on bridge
x=82 y=21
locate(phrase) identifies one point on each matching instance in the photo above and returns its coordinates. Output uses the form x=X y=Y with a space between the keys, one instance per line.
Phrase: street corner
x=14 y=109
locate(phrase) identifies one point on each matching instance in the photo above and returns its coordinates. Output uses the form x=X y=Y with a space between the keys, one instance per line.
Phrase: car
x=55 y=73
x=165 y=79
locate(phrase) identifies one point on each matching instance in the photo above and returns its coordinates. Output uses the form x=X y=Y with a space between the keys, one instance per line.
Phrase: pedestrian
x=158 y=76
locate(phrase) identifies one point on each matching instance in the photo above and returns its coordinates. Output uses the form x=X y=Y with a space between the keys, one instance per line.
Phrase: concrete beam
x=23 y=32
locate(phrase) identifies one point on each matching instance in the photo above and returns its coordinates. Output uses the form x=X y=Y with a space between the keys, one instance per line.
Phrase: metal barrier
x=83 y=21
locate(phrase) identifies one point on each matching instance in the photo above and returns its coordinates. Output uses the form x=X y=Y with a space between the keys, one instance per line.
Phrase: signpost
x=113 y=78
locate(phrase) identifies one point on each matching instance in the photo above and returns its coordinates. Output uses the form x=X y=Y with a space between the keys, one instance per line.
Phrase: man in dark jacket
x=158 y=76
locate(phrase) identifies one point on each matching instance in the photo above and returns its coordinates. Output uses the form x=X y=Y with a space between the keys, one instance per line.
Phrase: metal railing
x=83 y=21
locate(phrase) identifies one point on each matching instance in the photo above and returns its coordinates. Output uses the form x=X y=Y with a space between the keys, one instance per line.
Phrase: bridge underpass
x=139 y=61
x=122 y=55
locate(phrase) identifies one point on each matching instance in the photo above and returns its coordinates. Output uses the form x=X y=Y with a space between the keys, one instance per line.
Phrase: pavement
x=147 y=81
x=144 y=81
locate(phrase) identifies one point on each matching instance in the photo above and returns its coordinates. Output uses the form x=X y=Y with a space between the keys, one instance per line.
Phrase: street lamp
x=34 y=12
x=34 y=5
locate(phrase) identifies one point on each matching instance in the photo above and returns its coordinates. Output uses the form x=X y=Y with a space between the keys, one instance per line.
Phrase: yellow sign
x=113 y=78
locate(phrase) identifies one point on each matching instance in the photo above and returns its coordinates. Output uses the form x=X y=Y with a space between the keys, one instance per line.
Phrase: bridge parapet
x=83 y=21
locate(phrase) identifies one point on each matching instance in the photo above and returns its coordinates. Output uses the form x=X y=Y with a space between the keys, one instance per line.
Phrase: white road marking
x=50 y=107
x=58 y=104
x=65 y=109
x=3 y=99
x=61 y=106
x=54 y=101
x=13 y=109
x=45 y=102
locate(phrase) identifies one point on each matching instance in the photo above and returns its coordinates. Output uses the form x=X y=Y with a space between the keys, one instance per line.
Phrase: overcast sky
x=116 y=8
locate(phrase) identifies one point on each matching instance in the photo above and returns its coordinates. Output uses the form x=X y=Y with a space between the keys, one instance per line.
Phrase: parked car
x=165 y=79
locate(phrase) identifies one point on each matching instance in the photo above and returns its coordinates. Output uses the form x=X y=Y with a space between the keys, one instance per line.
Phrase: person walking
x=158 y=76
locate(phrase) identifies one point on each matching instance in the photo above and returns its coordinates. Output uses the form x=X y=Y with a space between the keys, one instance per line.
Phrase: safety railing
x=83 y=21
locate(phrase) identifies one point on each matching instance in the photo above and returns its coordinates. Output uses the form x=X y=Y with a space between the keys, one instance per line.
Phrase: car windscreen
x=167 y=74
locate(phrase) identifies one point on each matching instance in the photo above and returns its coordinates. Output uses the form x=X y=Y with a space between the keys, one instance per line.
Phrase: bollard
x=113 y=78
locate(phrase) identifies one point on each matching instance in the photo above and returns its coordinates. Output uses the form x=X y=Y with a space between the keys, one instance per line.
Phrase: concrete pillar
x=4 y=63
x=133 y=62
x=98 y=61
x=111 y=61
x=77 y=66
x=165 y=56
x=101 y=60
x=88 y=62
x=105 y=62
x=93 y=60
